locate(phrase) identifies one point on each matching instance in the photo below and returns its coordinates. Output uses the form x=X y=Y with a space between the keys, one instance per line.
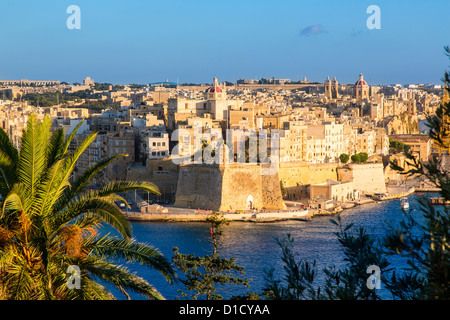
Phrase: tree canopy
x=49 y=223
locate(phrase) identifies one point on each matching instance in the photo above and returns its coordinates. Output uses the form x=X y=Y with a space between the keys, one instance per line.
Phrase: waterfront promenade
x=297 y=210
x=199 y=215
x=141 y=211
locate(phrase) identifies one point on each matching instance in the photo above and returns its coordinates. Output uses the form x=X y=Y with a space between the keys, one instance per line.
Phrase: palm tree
x=49 y=226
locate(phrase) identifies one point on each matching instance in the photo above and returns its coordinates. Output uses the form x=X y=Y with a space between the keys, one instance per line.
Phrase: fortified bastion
x=236 y=186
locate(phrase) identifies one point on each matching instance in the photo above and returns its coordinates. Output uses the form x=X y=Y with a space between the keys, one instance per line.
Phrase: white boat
x=404 y=203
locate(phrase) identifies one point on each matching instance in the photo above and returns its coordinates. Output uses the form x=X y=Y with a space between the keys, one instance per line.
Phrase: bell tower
x=327 y=85
x=334 y=89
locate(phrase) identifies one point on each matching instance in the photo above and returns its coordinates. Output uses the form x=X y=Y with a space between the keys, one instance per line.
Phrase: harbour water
x=253 y=244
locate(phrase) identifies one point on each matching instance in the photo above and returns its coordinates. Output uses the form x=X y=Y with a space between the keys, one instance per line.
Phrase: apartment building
x=293 y=142
x=331 y=136
x=157 y=143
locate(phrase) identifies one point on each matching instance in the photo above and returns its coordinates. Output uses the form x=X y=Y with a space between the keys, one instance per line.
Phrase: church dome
x=361 y=81
x=213 y=89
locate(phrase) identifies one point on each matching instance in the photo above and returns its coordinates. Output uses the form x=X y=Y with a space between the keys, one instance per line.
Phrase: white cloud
x=312 y=30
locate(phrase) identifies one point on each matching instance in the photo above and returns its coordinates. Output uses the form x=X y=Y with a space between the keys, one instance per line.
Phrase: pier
x=397 y=195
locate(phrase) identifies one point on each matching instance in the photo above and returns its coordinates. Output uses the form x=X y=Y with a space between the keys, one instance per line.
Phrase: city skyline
x=137 y=42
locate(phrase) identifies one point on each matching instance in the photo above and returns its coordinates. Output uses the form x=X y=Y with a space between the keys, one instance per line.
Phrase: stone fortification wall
x=302 y=173
x=199 y=186
x=228 y=187
x=271 y=192
x=367 y=178
x=239 y=182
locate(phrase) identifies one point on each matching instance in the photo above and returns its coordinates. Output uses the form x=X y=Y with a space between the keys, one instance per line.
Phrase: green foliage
x=423 y=244
x=298 y=277
x=202 y=275
x=106 y=87
x=48 y=224
x=361 y=251
x=363 y=156
x=48 y=99
x=344 y=158
x=349 y=283
x=399 y=146
x=137 y=86
x=356 y=158
x=359 y=157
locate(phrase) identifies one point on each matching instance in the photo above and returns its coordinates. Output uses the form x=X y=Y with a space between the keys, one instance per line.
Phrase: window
x=163 y=144
x=154 y=144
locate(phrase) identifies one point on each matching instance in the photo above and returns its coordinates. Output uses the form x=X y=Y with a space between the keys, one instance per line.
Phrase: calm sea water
x=254 y=247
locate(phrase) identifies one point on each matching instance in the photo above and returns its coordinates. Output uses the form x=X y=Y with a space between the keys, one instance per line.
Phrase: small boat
x=419 y=194
x=404 y=203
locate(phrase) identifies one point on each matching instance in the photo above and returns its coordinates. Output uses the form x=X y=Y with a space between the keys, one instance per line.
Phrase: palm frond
x=54 y=152
x=32 y=159
x=7 y=172
x=71 y=159
x=133 y=251
x=46 y=224
x=19 y=282
x=15 y=200
x=49 y=189
x=69 y=139
x=57 y=178
x=122 y=279
x=83 y=181
x=101 y=207
x=124 y=186
x=7 y=146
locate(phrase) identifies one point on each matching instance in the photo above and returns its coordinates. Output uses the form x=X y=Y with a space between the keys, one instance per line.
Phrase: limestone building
x=157 y=140
x=326 y=141
x=420 y=144
x=333 y=190
x=214 y=102
x=362 y=89
x=331 y=88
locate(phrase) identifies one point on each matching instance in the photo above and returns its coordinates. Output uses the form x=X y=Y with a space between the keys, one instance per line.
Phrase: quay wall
x=250 y=217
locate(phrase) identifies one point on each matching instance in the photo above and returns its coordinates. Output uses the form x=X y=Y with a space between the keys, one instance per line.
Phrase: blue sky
x=142 y=41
